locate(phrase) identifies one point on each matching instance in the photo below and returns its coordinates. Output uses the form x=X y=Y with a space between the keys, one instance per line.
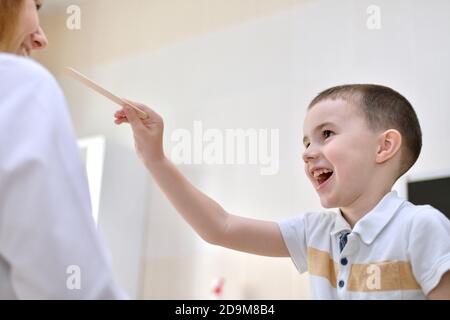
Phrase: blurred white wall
x=243 y=64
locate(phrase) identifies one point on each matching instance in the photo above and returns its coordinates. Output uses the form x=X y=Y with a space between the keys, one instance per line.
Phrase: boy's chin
x=328 y=206
x=327 y=203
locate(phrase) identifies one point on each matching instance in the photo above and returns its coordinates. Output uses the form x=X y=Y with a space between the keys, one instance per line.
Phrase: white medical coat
x=49 y=245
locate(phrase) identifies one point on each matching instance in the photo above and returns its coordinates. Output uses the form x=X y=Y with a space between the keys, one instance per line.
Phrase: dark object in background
x=435 y=192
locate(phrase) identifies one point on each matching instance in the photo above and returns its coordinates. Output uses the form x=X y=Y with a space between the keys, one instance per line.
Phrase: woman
x=20 y=32
x=49 y=246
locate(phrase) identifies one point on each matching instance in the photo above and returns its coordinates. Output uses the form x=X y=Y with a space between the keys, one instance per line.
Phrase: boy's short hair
x=383 y=109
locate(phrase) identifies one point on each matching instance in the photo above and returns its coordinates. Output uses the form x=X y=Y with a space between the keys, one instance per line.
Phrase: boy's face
x=339 y=152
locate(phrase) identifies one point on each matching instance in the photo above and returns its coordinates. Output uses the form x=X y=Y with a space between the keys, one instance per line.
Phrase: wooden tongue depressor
x=91 y=84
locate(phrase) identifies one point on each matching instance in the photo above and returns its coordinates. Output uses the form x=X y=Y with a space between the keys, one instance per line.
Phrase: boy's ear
x=390 y=142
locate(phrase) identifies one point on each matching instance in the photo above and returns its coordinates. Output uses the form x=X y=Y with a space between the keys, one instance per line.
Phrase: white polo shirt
x=396 y=251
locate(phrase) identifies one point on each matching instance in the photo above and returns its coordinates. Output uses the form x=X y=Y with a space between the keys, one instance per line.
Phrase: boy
x=359 y=139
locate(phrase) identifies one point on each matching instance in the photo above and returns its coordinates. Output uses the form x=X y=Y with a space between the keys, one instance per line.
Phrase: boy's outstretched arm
x=206 y=216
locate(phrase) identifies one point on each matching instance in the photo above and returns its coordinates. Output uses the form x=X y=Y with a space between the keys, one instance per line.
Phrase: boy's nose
x=39 y=39
x=309 y=154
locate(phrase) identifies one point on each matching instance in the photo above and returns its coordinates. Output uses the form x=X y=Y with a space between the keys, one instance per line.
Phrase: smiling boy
x=359 y=139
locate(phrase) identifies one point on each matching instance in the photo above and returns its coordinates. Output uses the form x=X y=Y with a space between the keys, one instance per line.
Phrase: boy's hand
x=148 y=131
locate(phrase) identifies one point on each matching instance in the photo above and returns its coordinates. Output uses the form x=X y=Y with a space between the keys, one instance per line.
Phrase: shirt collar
x=369 y=226
x=340 y=224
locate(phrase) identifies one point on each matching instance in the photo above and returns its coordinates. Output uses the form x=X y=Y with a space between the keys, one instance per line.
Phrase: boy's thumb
x=133 y=119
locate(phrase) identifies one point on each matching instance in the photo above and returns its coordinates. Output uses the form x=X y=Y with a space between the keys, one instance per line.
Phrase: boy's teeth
x=320 y=171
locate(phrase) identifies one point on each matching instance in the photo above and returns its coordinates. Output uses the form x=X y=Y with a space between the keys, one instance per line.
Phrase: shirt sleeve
x=293 y=231
x=429 y=247
x=47 y=233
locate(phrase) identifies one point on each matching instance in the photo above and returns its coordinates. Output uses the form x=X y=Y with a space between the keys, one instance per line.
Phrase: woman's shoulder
x=27 y=87
x=22 y=77
x=14 y=66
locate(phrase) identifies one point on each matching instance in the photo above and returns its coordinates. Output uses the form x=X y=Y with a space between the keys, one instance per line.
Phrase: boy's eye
x=327 y=133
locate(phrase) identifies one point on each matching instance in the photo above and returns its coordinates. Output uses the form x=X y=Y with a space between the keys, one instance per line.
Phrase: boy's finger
x=133 y=119
x=121 y=120
x=150 y=113
x=141 y=112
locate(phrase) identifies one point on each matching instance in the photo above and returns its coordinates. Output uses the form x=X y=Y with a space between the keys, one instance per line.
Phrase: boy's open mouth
x=322 y=175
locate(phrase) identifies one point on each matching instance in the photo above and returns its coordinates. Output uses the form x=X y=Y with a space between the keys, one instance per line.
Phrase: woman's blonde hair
x=9 y=20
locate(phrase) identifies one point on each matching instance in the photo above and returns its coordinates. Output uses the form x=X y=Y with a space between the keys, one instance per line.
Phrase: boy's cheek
x=308 y=176
x=334 y=154
x=344 y=161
